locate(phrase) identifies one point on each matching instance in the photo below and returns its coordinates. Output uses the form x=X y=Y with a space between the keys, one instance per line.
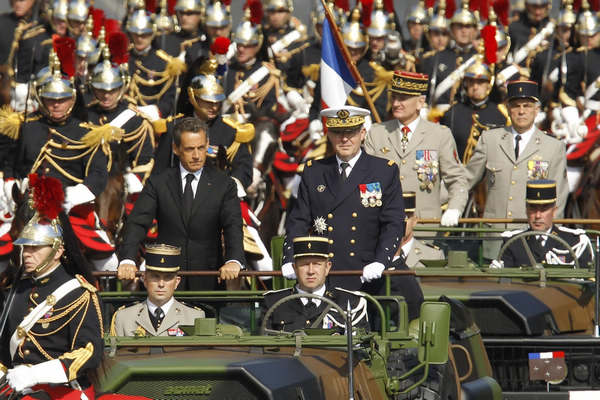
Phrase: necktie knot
x=344 y=167
x=310 y=305
x=159 y=315
x=405 y=130
x=189 y=178
x=404 y=141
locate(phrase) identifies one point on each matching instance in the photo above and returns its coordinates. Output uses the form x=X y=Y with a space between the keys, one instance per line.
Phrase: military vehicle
x=397 y=360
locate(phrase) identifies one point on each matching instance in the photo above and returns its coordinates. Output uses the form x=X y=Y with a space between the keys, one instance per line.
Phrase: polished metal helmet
x=218 y=15
x=418 y=14
x=59 y=10
x=247 y=34
x=38 y=233
x=439 y=22
x=317 y=14
x=352 y=32
x=587 y=23
x=207 y=88
x=190 y=6
x=165 y=23
x=479 y=70
x=380 y=21
x=86 y=46
x=566 y=16
x=109 y=76
x=537 y=2
x=51 y=84
x=135 y=5
x=140 y=23
x=464 y=16
x=272 y=5
x=78 y=10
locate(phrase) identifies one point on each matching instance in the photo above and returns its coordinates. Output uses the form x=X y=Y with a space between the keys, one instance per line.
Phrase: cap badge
x=162 y=260
x=309 y=245
x=343 y=114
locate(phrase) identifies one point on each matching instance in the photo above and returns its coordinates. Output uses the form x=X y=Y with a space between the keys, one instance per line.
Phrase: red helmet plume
x=118 y=44
x=48 y=195
x=488 y=34
x=98 y=18
x=64 y=47
x=256 y=11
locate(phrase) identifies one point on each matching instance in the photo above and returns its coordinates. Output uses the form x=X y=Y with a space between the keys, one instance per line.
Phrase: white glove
x=450 y=217
x=151 y=112
x=133 y=183
x=288 y=271
x=315 y=128
x=372 y=271
x=23 y=376
x=76 y=195
x=495 y=264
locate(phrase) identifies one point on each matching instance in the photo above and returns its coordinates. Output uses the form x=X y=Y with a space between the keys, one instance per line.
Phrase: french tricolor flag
x=547 y=355
x=336 y=79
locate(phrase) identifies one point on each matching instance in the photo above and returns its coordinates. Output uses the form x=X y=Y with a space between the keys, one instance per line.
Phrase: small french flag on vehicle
x=548 y=354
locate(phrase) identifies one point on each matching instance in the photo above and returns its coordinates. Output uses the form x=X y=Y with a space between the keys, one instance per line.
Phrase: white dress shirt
x=184 y=172
x=320 y=291
x=412 y=126
x=351 y=161
x=165 y=307
x=525 y=137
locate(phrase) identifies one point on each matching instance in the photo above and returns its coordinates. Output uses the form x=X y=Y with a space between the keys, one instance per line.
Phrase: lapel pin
x=321 y=188
x=385 y=150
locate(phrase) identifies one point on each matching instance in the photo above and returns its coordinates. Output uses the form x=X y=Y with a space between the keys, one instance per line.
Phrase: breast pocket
x=492 y=173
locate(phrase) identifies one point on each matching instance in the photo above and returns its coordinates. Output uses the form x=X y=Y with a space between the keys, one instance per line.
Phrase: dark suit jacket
x=358 y=235
x=215 y=211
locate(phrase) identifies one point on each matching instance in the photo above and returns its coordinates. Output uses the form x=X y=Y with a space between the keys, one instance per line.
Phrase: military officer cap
x=410 y=83
x=541 y=191
x=311 y=246
x=163 y=258
x=410 y=201
x=522 y=89
x=346 y=118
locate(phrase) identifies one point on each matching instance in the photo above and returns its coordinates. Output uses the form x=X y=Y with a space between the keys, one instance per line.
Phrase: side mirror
x=434 y=332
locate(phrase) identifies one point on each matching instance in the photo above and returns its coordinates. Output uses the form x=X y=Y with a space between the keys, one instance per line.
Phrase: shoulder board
x=391 y=162
x=32 y=117
x=508 y=234
x=433 y=246
x=276 y=291
x=309 y=163
x=187 y=43
x=429 y=53
x=33 y=32
x=576 y=231
x=46 y=42
x=502 y=108
x=355 y=293
x=85 y=284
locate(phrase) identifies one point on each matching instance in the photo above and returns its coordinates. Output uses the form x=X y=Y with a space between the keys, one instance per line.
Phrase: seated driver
x=160 y=314
x=541 y=209
x=311 y=265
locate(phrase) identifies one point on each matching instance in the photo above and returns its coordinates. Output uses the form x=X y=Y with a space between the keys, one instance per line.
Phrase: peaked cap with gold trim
x=311 y=246
x=163 y=258
x=541 y=191
x=410 y=83
x=345 y=117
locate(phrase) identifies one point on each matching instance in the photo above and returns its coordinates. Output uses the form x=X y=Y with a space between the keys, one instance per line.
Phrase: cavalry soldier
x=160 y=314
x=258 y=99
x=438 y=33
x=529 y=23
x=541 y=209
x=352 y=198
x=77 y=15
x=189 y=16
x=509 y=156
x=109 y=108
x=154 y=73
x=467 y=119
x=425 y=152
x=53 y=142
x=381 y=25
x=416 y=21
x=357 y=44
x=463 y=27
x=311 y=264
x=57 y=17
x=279 y=23
x=53 y=337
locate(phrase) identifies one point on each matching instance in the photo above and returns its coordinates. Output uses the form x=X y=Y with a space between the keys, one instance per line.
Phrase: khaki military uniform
x=422 y=251
x=494 y=160
x=135 y=320
x=430 y=155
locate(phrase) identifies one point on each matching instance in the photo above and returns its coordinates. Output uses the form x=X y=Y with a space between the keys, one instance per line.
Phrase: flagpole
x=340 y=41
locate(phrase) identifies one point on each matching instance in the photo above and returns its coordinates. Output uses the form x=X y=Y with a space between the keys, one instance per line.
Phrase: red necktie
x=405 y=131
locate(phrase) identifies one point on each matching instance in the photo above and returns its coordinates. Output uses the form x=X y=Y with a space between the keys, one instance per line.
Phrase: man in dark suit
x=194 y=205
x=353 y=198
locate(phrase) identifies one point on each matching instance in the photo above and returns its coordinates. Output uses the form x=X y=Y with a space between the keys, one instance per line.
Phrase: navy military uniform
x=23 y=38
x=42 y=144
x=582 y=67
x=543 y=248
x=356 y=98
x=523 y=29
x=174 y=43
x=548 y=62
x=295 y=315
x=467 y=120
x=292 y=65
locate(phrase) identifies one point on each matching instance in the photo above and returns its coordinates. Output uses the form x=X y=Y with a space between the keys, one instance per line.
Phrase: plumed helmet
x=246 y=33
x=418 y=14
x=78 y=10
x=217 y=15
x=140 y=23
x=352 y=32
x=464 y=16
x=273 y=5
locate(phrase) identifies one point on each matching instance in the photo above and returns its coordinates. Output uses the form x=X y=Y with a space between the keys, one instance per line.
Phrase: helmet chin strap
x=46 y=263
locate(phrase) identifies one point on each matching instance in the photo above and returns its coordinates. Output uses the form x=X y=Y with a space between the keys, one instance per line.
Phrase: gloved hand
x=132 y=182
x=372 y=271
x=495 y=264
x=76 y=195
x=315 y=128
x=450 y=217
x=23 y=376
x=288 y=271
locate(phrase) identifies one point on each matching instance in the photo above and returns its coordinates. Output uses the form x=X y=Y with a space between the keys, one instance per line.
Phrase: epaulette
x=33 y=32
x=507 y=234
x=502 y=108
x=391 y=162
x=428 y=54
x=32 y=117
x=309 y=163
x=46 y=42
x=187 y=43
x=85 y=284
x=113 y=331
x=576 y=231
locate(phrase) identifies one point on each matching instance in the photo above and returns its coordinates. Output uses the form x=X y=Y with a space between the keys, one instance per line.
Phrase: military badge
x=370 y=194
x=139 y=332
x=384 y=150
x=427 y=167
x=537 y=169
x=175 y=332
x=212 y=151
x=321 y=188
x=319 y=225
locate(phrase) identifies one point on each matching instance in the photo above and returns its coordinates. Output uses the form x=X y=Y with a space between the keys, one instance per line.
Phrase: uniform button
x=509 y=213
x=26 y=352
x=307 y=322
x=351 y=254
x=47 y=170
x=403 y=161
x=330 y=228
x=330 y=255
x=353 y=228
x=510 y=197
x=352 y=241
x=330 y=241
x=514 y=167
x=329 y=216
x=36 y=295
x=401 y=177
x=513 y=182
x=354 y=215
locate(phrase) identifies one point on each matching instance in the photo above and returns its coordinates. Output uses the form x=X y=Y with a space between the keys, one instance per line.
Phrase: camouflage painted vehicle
x=524 y=314
x=223 y=361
